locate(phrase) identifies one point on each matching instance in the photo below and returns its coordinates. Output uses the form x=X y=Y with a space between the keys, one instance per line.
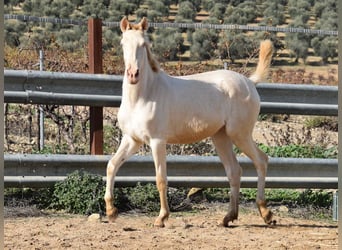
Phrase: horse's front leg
x=127 y=147
x=159 y=156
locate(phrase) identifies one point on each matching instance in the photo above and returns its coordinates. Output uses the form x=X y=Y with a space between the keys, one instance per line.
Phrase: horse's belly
x=192 y=131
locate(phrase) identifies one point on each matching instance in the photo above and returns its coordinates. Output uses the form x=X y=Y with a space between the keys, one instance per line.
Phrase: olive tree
x=326 y=46
x=204 y=44
x=122 y=7
x=298 y=43
x=157 y=11
x=186 y=12
x=95 y=8
x=241 y=14
x=168 y=44
x=234 y=44
x=273 y=12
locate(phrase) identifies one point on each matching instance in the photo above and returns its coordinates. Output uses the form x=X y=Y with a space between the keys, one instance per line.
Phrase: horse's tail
x=265 y=58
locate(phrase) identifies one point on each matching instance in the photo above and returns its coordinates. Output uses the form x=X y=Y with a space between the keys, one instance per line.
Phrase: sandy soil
x=200 y=230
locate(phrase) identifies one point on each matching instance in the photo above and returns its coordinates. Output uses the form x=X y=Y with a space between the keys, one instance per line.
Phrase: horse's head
x=136 y=49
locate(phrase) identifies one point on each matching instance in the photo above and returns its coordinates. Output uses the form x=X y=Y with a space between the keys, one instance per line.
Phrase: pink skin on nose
x=132 y=75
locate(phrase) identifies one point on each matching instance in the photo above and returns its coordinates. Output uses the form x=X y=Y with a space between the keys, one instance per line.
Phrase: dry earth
x=293 y=130
x=200 y=230
x=46 y=230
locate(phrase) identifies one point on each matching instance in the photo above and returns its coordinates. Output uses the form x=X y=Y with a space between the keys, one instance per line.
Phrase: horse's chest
x=136 y=123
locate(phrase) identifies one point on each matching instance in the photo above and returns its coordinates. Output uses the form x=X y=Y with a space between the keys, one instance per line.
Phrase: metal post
x=40 y=107
x=335 y=206
x=95 y=67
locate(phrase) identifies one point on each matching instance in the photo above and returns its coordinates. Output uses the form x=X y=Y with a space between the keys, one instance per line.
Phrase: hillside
x=173 y=44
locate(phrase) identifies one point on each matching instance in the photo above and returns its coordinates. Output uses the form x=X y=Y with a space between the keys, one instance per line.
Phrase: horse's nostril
x=136 y=73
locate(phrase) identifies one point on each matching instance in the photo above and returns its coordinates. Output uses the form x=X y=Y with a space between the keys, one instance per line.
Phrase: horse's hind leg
x=224 y=149
x=246 y=144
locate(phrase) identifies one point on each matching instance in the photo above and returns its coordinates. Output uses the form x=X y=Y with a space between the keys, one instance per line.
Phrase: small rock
x=94 y=218
x=196 y=195
x=283 y=209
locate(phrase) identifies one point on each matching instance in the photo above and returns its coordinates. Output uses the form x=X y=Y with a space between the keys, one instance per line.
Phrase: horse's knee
x=161 y=183
x=234 y=175
x=261 y=163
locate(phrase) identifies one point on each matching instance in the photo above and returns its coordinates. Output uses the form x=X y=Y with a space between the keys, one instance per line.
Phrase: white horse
x=157 y=109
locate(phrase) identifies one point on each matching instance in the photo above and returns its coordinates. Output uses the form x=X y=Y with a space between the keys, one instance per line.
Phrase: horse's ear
x=124 y=24
x=143 y=24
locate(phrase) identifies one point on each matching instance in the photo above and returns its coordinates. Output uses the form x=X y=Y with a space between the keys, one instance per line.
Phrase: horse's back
x=231 y=83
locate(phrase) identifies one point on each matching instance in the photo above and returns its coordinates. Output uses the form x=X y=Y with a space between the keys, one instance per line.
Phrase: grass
x=307 y=203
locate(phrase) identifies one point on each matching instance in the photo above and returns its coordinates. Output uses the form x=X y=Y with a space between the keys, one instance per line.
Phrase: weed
x=299 y=151
x=144 y=197
x=322 y=122
x=305 y=198
x=217 y=194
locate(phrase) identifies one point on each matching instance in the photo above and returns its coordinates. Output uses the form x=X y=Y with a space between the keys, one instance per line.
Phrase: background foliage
x=202 y=44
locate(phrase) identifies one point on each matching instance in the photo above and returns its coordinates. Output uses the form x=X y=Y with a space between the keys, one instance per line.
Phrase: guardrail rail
x=36 y=87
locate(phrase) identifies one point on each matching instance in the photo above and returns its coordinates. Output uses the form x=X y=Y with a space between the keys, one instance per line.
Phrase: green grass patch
x=300 y=151
x=82 y=193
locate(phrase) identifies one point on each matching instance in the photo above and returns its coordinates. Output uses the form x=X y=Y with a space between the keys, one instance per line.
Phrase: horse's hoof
x=225 y=222
x=112 y=214
x=266 y=213
x=159 y=223
x=268 y=217
x=228 y=218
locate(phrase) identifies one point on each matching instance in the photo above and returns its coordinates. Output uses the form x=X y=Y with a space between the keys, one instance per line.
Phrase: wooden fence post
x=95 y=67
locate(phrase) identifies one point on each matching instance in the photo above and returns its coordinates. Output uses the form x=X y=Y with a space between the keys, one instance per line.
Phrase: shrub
x=144 y=197
x=80 y=192
x=316 y=199
x=24 y=197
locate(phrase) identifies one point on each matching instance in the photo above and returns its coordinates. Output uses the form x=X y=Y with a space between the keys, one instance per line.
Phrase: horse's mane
x=154 y=64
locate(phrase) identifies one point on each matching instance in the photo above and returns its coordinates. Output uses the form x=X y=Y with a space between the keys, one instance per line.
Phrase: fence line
x=36 y=87
x=23 y=86
x=185 y=171
x=178 y=25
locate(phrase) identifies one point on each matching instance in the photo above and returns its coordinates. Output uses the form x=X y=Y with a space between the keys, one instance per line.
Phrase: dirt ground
x=200 y=230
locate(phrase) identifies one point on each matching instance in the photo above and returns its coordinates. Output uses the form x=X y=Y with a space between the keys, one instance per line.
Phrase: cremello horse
x=158 y=109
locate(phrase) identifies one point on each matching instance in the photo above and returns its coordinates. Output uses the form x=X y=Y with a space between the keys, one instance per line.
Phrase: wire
x=178 y=25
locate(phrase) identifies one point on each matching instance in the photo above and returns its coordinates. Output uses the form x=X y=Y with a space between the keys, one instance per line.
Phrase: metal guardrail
x=186 y=171
x=36 y=87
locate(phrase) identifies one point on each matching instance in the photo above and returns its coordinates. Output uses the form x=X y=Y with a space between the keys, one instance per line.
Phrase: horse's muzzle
x=132 y=75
